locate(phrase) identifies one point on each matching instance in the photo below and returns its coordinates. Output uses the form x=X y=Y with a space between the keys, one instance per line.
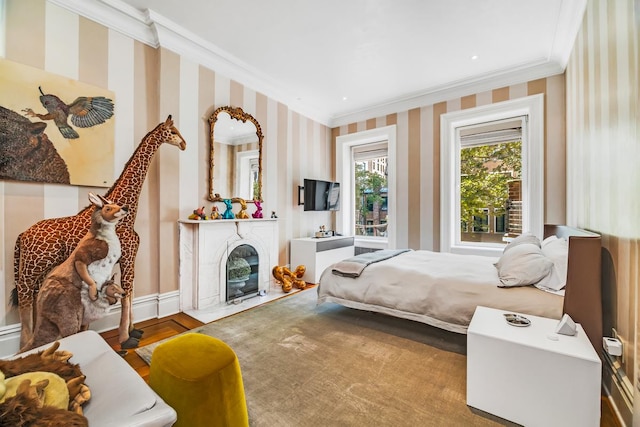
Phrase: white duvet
x=439 y=289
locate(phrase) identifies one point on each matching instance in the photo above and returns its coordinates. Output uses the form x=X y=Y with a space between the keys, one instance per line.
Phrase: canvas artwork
x=54 y=129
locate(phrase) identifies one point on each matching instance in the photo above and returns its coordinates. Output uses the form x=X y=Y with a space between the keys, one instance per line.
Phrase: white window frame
x=532 y=169
x=345 y=219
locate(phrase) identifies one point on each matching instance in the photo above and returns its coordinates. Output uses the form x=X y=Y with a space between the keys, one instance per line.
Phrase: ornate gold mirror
x=235 y=155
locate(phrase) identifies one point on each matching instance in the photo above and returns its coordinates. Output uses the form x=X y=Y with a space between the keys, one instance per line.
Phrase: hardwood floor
x=159 y=329
x=154 y=330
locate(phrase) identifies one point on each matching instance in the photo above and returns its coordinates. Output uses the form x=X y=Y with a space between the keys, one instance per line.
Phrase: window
x=490 y=162
x=365 y=166
x=370 y=189
x=246 y=174
x=491 y=175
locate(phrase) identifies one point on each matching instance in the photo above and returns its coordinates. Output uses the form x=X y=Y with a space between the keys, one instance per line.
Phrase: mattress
x=436 y=288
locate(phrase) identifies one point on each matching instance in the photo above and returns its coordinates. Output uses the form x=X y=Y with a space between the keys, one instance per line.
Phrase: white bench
x=119 y=396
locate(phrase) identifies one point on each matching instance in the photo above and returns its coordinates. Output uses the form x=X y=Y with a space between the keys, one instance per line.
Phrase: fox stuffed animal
x=59 y=306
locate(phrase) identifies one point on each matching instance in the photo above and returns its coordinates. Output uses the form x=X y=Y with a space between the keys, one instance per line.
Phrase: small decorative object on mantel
x=198 y=214
x=228 y=213
x=243 y=208
x=258 y=212
x=215 y=213
x=289 y=279
x=273 y=214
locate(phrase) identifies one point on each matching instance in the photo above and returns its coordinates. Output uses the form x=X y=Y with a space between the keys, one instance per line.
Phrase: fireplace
x=209 y=279
x=242 y=273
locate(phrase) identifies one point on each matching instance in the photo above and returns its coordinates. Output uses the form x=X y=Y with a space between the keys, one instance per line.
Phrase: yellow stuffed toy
x=55 y=391
x=289 y=279
x=42 y=389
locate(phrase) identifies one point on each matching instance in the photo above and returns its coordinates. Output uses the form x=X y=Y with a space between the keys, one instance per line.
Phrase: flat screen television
x=321 y=195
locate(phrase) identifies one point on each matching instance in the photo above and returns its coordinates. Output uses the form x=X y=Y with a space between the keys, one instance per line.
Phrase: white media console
x=316 y=254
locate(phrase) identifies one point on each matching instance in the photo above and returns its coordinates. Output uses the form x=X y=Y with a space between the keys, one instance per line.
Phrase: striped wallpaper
x=603 y=150
x=591 y=180
x=150 y=84
x=418 y=157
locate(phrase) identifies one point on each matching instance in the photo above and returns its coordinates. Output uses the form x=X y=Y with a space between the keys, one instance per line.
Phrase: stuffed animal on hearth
x=42 y=389
x=59 y=306
x=289 y=279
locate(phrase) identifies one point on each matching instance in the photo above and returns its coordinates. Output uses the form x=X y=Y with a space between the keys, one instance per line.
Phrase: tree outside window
x=486 y=172
x=370 y=198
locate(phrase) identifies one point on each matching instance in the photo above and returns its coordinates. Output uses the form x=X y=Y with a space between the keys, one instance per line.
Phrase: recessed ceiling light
x=474 y=57
x=344 y=98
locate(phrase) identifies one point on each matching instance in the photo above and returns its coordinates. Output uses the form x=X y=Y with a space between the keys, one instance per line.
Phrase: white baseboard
x=168 y=304
x=144 y=308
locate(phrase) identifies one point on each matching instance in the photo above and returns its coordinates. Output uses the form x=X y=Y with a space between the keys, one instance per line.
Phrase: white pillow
x=556 y=250
x=523 y=239
x=548 y=240
x=522 y=265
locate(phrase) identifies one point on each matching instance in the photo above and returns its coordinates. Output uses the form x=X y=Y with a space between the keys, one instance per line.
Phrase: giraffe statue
x=49 y=242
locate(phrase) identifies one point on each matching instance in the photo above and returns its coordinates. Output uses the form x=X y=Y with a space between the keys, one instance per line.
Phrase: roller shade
x=492 y=133
x=369 y=151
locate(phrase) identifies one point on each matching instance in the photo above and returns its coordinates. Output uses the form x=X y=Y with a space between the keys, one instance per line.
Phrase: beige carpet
x=326 y=365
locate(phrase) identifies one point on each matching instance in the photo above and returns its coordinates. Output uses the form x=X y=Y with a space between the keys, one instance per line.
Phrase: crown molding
x=158 y=31
x=571 y=16
x=115 y=15
x=527 y=72
x=177 y=39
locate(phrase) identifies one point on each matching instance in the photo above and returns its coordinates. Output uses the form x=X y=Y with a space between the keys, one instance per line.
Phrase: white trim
x=168 y=304
x=344 y=143
x=144 y=308
x=532 y=168
x=158 y=31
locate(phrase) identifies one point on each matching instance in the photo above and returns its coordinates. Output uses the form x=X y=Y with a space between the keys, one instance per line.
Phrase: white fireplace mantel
x=204 y=248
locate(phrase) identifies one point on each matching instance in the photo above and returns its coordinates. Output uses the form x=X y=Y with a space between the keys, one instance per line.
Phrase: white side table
x=525 y=375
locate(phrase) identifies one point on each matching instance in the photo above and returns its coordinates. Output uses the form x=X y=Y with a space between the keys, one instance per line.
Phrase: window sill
x=371 y=242
x=478 y=250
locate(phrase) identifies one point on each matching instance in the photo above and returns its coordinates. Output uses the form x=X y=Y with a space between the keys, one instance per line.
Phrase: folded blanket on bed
x=353 y=267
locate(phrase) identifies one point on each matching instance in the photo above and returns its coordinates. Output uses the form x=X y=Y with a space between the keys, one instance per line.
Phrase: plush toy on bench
x=42 y=389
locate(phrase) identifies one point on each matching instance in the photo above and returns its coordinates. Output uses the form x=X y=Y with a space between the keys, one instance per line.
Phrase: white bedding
x=439 y=289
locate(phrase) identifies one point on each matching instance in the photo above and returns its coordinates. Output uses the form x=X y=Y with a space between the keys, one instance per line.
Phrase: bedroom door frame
x=532 y=169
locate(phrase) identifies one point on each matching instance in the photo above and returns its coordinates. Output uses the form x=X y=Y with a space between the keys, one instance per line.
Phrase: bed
x=444 y=289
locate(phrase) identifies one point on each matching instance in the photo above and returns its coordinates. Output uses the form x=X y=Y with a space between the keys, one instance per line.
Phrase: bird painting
x=84 y=112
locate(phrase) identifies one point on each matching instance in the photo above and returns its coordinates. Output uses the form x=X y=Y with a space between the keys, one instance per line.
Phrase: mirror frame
x=238 y=114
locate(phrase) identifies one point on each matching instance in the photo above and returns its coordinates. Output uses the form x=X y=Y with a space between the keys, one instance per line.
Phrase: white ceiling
x=378 y=54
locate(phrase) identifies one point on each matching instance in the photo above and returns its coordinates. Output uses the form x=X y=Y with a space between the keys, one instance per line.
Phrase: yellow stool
x=199 y=376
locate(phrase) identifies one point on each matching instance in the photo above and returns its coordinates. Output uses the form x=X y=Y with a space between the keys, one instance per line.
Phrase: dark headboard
x=583 y=292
